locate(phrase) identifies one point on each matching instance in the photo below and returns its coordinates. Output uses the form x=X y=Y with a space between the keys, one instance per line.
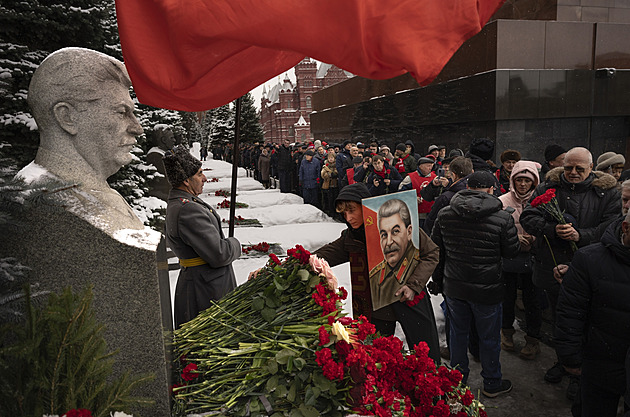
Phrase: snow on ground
x=286 y=220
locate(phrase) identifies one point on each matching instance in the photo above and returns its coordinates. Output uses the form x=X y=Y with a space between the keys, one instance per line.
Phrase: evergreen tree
x=57 y=360
x=222 y=124
x=251 y=129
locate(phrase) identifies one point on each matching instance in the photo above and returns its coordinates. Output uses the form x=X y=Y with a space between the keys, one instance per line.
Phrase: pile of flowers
x=549 y=204
x=260 y=247
x=280 y=345
x=242 y=221
x=215 y=179
x=82 y=412
x=226 y=204
x=222 y=193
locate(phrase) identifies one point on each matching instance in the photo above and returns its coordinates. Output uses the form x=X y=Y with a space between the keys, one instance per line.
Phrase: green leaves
x=284 y=355
x=258 y=303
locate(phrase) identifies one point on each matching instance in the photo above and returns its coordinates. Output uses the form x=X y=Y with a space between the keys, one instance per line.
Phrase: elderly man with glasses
x=590 y=201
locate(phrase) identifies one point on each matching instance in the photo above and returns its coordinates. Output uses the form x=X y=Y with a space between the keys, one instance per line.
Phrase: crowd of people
x=493 y=242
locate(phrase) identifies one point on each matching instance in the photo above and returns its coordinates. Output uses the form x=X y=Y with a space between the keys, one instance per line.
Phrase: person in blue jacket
x=309 y=178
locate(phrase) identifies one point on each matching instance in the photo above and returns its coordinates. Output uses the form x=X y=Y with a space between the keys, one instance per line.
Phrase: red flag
x=195 y=55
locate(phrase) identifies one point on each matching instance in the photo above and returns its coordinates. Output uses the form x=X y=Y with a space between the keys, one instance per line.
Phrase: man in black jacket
x=590 y=202
x=285 y=166
x=593 y=319
x=474 y=233
x=441 y=190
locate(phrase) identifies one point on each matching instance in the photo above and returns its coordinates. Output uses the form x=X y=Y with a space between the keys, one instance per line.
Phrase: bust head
x=163 y=137
x=81 y=103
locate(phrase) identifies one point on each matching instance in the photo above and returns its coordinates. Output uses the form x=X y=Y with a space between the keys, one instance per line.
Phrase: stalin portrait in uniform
x=400 y=256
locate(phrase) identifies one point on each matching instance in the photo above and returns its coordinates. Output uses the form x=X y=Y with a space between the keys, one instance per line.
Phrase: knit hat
x=510 y=155
x=357 y=160
x=309 y=153
x=482 y=147
x=433 y=148
x=454 y=153
x=401 y=147
x=344 y=143
x=608 y=159
x=481 y=179
x=353 y=192
x=553 y=151
x=179 y=165
x=384 y=147
x=440 y=147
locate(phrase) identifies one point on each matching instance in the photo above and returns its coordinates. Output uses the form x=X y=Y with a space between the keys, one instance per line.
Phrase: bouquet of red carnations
x=279 y=345
x=549 y=203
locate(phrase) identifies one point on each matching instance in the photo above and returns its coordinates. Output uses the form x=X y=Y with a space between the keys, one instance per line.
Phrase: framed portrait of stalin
x=391 y=230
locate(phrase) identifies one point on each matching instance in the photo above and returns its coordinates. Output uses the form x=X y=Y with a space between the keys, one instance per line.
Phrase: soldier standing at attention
x=193 y=232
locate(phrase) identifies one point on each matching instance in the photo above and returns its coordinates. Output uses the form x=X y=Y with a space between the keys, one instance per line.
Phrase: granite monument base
x=64 y=250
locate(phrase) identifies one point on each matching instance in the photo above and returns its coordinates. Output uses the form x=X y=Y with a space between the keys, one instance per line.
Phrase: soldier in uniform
x=193 y=232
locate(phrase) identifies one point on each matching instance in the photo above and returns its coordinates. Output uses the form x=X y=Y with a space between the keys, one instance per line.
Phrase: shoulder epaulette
x=184 y=200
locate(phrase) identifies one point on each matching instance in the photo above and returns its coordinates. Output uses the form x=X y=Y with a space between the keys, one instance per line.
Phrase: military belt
x=192 y=262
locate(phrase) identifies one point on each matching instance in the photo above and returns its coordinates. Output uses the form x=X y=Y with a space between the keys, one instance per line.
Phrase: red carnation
x=468 y=398
x=324 y=337
x=275 y=259
x=81 y=412
x=415 y=300
x=345 y=320
x=190 y=372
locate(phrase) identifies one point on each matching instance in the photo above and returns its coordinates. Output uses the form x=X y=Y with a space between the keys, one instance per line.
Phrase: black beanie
x=180 y=165
x=353 y=192
x=553 y=151
x=482 y=147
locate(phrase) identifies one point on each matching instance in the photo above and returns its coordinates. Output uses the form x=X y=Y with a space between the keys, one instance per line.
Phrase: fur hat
x=481 y=179
x=553 y=151
x=482 y=147
x=608 y=159
x=510 y=155
x=180 y=165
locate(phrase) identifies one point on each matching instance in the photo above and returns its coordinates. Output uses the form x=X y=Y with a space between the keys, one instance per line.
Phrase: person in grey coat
x=193 y=232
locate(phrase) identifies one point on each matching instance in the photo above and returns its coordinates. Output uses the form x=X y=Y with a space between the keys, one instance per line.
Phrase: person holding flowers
x=575 y=214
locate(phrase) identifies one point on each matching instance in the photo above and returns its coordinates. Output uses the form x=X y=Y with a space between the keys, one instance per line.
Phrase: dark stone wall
x=520 y=109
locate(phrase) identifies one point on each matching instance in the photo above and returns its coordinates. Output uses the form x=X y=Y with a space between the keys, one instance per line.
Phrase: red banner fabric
x=194 y=55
